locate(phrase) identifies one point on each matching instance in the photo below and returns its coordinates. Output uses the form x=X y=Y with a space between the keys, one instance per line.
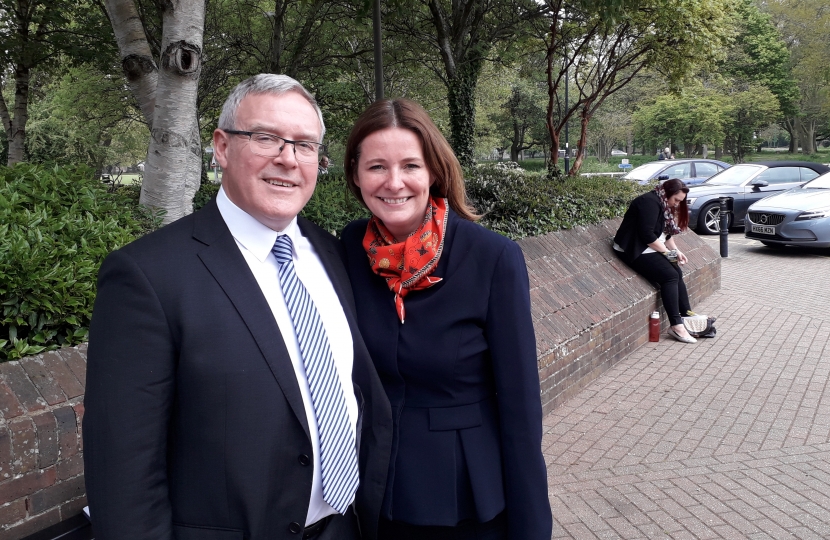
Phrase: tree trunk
x=17 y=134
x=277 y=37
x=174 y=157
x=794 y=130
x=517 y=142
x=807 y=136
x=718 y=151
x=688 y=149
x=602 y=150
x=799 y=135
x=167 y=99
x=137 y=61
x=583 y=142
x=462 y=105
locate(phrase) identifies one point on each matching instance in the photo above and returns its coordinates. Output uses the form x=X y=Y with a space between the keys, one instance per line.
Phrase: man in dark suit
x=229 y=394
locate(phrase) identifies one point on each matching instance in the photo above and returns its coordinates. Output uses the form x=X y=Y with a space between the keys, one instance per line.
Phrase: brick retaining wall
x=589 y=309
x=41 y=460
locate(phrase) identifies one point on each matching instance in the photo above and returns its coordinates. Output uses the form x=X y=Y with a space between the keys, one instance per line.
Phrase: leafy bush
x=333 y=206
x=206 y=191
x=517 y=203
x=57 y=225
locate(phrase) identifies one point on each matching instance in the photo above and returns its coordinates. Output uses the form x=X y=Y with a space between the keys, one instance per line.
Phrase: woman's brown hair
x=438 y=155
x=681 y=213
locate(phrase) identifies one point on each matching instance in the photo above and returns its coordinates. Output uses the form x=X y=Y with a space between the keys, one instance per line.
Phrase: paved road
x=727 y=438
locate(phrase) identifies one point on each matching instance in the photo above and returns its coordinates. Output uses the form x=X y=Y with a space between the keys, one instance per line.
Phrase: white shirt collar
x=248 y=231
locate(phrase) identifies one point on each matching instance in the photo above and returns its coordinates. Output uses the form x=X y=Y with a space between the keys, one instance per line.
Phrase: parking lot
x=726 y=438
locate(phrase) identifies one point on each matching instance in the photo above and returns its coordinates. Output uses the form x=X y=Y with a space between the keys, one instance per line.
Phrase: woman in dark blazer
x=645 y=241
x=444 y=308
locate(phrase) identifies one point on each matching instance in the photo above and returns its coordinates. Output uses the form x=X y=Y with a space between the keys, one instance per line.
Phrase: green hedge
x=517 y=203
x=333 y=206
x=56 y=225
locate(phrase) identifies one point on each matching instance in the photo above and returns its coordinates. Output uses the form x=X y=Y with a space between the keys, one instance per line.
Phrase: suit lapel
x=225 y=262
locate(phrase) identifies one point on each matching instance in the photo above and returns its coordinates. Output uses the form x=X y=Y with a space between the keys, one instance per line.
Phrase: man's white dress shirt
x=255 y=241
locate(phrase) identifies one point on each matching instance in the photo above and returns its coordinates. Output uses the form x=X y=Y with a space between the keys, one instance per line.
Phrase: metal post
x=378 y=51
x=567 y=146
x=724 y=227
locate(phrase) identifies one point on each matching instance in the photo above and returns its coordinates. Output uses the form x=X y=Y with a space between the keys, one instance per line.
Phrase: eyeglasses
x=267 y=145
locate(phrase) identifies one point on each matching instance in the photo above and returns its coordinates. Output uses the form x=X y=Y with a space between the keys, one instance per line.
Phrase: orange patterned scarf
x=406 y=266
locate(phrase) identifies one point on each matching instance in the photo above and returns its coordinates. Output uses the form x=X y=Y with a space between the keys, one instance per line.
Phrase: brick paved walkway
x=727 y=438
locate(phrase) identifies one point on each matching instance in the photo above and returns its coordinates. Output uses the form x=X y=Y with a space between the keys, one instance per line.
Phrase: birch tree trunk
x=167 y=97
x=137 y=61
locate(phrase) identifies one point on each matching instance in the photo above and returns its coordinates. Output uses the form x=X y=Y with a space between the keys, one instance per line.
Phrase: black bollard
x=724 y=227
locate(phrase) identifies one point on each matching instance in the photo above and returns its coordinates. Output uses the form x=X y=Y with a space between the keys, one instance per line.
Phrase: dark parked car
x=691 y=171
x=799 y=217
x=745 y=184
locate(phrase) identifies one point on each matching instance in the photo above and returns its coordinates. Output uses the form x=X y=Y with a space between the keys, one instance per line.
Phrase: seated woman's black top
x=642 y=224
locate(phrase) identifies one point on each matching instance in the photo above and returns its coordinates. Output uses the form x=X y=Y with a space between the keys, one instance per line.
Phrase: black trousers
x=657 y=269
x=495 y=529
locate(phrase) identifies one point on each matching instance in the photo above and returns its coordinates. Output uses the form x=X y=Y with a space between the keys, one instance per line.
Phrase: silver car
x=798 y=217
x=743 y=185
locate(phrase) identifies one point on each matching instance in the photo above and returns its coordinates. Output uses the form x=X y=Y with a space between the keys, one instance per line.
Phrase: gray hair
x=265 y=83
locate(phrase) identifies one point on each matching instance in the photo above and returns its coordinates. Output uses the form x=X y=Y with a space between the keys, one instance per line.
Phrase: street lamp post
x=378 y=51
x=567 y=140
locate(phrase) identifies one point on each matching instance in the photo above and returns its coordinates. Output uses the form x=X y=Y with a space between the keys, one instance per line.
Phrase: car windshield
x=733 y=176
x=822 y=182
x=645 y=172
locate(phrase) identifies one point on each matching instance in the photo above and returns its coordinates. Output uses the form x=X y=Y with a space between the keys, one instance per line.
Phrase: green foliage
x=516 y=203
x=57 y=226
x=722 y=115
x=85 y=117
x=333 y=206
x=760 y=55
x=206 y=191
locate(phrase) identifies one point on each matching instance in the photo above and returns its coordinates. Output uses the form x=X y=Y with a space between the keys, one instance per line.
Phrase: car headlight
x=814 y=214
x=690 y=201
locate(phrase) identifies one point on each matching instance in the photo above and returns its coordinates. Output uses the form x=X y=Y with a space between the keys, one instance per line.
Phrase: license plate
x=763 y=229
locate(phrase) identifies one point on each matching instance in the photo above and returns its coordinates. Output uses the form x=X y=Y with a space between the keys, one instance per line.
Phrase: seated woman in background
x=645 y=242
x=444 y=307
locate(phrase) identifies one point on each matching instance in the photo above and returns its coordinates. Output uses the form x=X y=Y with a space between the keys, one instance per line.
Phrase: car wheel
x=773 y=245
x=709 y=220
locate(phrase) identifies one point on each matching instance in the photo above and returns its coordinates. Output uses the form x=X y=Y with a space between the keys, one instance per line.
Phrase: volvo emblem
x=763 y=219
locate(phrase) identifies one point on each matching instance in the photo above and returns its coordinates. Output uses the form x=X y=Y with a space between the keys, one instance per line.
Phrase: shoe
x=682 y=339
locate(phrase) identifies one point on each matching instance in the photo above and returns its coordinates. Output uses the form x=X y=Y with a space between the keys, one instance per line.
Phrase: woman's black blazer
x=642 y=224
x=461 y=375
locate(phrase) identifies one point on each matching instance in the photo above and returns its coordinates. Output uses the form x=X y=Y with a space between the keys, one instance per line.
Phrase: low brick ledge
x=41 y=459
x=589 y=310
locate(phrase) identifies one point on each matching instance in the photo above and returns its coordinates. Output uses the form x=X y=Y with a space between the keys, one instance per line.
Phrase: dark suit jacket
x=461 y=374
x=642 y=224
x=194 y=425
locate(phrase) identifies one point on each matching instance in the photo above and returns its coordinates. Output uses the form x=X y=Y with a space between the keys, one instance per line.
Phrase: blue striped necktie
x=338 y=457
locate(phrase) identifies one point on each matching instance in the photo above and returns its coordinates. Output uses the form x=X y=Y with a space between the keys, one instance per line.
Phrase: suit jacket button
x=295 y=528
x=304 y=460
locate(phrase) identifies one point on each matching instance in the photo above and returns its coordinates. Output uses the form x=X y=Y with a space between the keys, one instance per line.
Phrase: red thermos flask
x=654 y=326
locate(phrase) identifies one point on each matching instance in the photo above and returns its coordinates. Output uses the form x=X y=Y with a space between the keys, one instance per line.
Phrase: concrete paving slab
x=726 y=438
